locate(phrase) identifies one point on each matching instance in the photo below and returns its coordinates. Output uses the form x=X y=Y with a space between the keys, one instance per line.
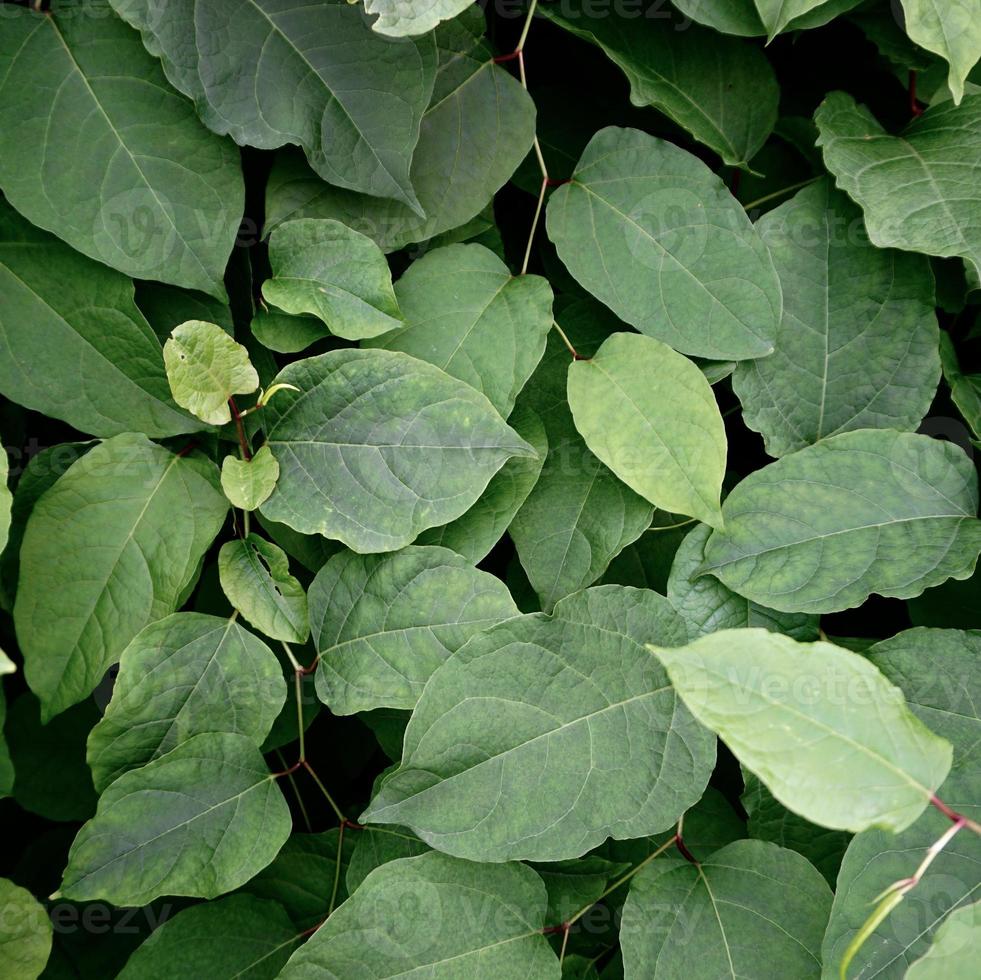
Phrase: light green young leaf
x=382 y=624
x=649 y=414
x=355 y=104
x=92 y=577
x=286 y=334
x=756 y=909
x=872 y=511
x=535 y=740
x=475 y=533
x=249 y=482
x=479 y=125
x=938 y=672
x=425 y=443
x=720 y=90
x=199 y=821
x=301 y=879
x=953 y=954
x=25 y=932
x=334 y=272
x=73 y=343
x=919 y=191
x=648 y=229
x=965 y=389
x=466 y=313
x=951 y=29
x=205 y=367
x=455 y=919
x=406 y=18
x=830 y=737
x=706 y=605
x=160 y=201
x=578 y=516
x=233 y=937
x=255 y=576
x=857 y=344
x=182 y=676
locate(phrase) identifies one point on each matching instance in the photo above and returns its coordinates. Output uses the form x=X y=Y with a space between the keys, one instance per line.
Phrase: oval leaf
x=384 y=623
x=425 y=443
x=148 y=519
x=334 y=272
x=871 y=512
x=846 y=304
x=183 y=676
x=205 y=367
x=249 y=482
x=25 y=932
x=648 y=229
x=199 y=821
x=535 y=740
x=255 y=576
x=830 y=737
x=650 y=415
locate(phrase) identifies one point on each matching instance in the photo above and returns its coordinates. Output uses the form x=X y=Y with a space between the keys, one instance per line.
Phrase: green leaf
x=965 y=389
x=536 y=740
x=25 y=932
x=466 y=313
x=576 y=884
x=334 y=272
x=756 y=910
x=112 y=546
x=160 y=201
x=721 y=91
x=205 y=367
x=255 y=576
x=286 y=334
x=952 y=30
x=871 y=511
x=830 y=737
x=578 y=516
x=199 y=821
x=937 y=670
x=180 y=677
x=478 y=127
x=237 y=936
x=953 y=954
x=846 y=304
x=475 y=533
x=742 y=16
x=384 y=623
x=73 y=343
x=706 y=605
x=301 y=879
x=6 y=502
x=6 y=763
x=455 y=919
x=51 y=777
x=649 y=414
x=425 y=443
x=918 y=191
x=354 y=105
x=401 y=18
x=648 y=229
x=249 y=482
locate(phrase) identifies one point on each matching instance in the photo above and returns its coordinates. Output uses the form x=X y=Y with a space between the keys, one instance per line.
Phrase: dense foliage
x=490 y=492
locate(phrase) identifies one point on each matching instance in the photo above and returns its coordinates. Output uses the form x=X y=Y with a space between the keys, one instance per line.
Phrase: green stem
x=323 y=789
x=779 y=193
x=337 y=869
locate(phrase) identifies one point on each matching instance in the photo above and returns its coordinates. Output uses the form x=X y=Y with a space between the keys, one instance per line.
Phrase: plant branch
x=954 y=816
x=243 y=442
x=568 y=343
x=783 y=190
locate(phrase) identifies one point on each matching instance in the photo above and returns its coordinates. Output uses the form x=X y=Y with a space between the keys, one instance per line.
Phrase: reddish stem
x=685 y=853
x=914 y=106
x=500 y=59
x=556 y=182
x=190 y=447
x=288 y=772
x=240 y=429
